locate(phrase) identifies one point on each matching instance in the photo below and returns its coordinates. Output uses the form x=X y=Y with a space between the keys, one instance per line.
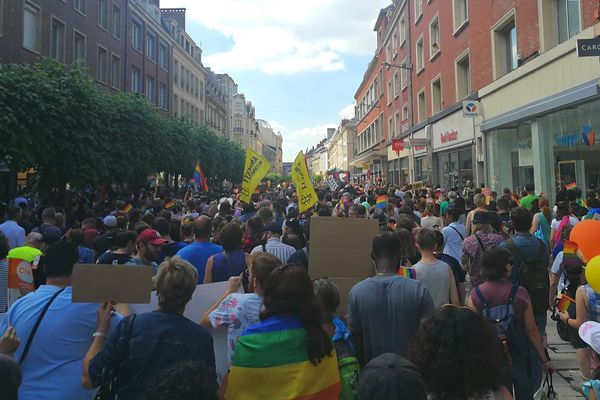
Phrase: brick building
x=433 y=55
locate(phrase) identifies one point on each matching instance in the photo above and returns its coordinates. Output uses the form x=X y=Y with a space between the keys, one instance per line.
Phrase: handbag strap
x=36 y=326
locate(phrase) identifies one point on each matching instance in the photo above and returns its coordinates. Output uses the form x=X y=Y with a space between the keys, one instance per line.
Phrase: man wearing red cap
x=149 y=244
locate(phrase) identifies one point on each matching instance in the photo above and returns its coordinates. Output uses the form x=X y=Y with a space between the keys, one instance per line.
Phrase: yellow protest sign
x=306 y=193
x=255 y=169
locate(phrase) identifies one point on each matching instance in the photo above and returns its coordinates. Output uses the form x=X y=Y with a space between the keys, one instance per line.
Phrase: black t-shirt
x=111 y=258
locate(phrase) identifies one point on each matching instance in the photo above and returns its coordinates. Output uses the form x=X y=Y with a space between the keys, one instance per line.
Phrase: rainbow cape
x=381 y=201
x=270 y=362
x=570 y=186
x=199 y=177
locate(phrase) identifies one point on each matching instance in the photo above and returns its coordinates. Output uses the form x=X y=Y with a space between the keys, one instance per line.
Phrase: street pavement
x=567 y=381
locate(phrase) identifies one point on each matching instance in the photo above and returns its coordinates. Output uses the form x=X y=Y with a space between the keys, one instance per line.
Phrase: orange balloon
x=587 y=234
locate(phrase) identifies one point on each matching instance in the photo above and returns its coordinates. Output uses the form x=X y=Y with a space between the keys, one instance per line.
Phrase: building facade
x=189 y=76
x=340 y=146
x=216 y=105
x=244 y=123
x=230 y=89
x=272 y=143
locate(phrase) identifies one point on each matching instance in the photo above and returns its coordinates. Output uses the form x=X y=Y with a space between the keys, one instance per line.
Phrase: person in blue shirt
x=198 y=252
x=144 y=345
x=52 y=366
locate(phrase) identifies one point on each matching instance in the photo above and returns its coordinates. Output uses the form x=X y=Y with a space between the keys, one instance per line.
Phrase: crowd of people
x=457 y=306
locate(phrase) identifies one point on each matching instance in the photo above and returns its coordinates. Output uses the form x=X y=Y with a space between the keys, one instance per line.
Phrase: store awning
x=368 y=156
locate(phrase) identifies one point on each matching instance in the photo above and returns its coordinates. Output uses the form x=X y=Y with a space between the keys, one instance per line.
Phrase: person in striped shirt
x=274 y=245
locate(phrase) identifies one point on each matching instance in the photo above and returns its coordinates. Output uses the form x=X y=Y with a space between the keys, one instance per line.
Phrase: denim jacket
x=158 y=340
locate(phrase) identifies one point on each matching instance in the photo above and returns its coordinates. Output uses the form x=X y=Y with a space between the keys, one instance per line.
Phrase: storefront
x=452 y=138
x=558 y=148
x=421 y=161
x=397 y=170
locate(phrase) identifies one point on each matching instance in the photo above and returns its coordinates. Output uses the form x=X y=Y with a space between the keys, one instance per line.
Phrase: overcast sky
x=299 y=62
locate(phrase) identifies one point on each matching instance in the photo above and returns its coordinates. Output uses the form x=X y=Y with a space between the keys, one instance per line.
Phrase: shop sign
x=588 y=47
x=397 y=145
x=586 y=137
x=449 y=136
x=471 y=108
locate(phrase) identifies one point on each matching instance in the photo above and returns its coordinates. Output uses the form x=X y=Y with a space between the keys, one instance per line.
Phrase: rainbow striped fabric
x=381 y=201
x=571 y=185
x=570 y=254
x=406 y=272
x=270 y=362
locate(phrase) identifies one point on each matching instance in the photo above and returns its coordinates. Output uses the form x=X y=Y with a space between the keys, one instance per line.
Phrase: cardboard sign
x=418 y=185
x=204 y=297
x=340 y=249
x=20 y=274
x=96 y=283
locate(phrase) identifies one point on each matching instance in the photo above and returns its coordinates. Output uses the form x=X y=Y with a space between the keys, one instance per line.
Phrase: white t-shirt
x=556 y=222
x=557 y=269
x=237 y=311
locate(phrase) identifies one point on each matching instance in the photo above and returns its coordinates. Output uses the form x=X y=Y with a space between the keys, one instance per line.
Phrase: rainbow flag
x=406 y=272
x=564 y=303
x=127 y=208
x=271 y=357
x=169 y=204
x=570 y=186
x=381 y=201
x=570 y=257
x=199 y=177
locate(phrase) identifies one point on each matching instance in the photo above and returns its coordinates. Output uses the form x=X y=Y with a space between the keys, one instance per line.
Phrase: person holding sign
x=52 y=350
x=143 y=345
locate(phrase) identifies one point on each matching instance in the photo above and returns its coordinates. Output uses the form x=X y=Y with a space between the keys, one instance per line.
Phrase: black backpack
x=533 y=276
x=509 y=330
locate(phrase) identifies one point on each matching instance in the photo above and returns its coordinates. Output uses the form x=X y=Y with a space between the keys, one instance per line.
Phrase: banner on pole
x=256 y=167
x=307 y=197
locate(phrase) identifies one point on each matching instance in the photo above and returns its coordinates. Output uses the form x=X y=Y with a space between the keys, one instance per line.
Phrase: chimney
x=177 y=14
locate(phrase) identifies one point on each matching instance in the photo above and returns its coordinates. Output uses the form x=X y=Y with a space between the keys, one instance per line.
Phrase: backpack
x=533 y=276
x=349 y=369
x=509 y=330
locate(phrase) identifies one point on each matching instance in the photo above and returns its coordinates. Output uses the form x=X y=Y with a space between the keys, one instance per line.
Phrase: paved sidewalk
x=567 y=381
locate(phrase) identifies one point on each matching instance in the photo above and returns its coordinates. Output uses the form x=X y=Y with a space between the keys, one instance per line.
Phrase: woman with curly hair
x=455 y=368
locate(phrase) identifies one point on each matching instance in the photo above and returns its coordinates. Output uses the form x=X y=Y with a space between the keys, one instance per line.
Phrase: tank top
x=593 y=303
x=227 y=265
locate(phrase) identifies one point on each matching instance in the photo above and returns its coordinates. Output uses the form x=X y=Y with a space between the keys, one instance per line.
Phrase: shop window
x=420 y=55
x=434 y=37
x=460 y=14
x=504 y=44
x=436 y=95
x=463 y=76
x=421 y=106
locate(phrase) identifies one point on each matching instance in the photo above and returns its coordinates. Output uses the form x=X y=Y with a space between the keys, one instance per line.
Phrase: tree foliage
x=55 y=119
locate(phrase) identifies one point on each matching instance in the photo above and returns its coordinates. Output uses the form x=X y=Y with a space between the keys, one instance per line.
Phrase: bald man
x=198 y=252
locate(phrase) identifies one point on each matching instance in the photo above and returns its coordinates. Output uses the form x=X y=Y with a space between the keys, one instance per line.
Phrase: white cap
x=110 y=221
x=590 y=333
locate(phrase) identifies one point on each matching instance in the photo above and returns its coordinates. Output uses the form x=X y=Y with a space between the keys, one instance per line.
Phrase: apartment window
x=460 y=13
x=196 y=88
x=418 y=7
x=137 y=36
x=436 y=95
x=103 y=14
x=136 y=80
x=434 y=37
x=397 y=123
x=163 y=56
x=390 y=91
x=397 y=83
x=175 y=71
x=115 y=72
x=80 y=5
x=391 y=132
x=404 y=112
x=79 y=43
x=175 y=106
x=569 y=19
x=32 y=25
x=420 y=55
x=162 y=96
x=463 y=76
x=116 y=21
x=182 y=81
x=402 y=29
x=388 y=53
x=151 y=89
x=395 y=42
x=151 y=46
x=504 y=36
x=421 y=105
x=404 y=77
x=57 y=40
x=101 y=68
